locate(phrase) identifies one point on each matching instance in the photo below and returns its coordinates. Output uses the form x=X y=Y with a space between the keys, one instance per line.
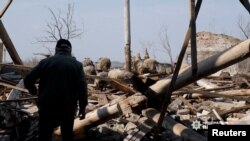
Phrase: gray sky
x=25 y=21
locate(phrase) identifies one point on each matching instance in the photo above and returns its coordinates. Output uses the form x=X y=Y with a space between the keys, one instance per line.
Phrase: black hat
x=63 y=43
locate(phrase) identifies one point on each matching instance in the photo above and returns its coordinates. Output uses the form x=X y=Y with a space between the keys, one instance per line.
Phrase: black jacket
x=62 y=82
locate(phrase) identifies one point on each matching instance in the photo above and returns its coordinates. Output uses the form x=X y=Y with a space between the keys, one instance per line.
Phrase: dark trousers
x=49 y=119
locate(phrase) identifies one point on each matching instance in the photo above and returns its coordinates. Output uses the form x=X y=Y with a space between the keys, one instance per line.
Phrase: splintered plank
x=121 y=86
x=115 y=83
x=14 y=87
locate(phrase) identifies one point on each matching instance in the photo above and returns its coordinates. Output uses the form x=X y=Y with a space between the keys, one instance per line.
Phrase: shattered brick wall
x=209 y=44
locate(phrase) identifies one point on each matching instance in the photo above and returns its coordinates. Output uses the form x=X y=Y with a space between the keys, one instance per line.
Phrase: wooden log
x=105 y=113
x=221 y=88
x=233 y=94
x=239 y=92
x=6 y=6
x=120 y=86
x=177 y=128
x=206 y=67
x=213 y=95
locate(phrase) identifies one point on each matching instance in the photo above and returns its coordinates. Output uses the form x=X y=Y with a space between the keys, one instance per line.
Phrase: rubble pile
x=18 y=111
x=209 y=101
x=125 y=113
x=128 y=107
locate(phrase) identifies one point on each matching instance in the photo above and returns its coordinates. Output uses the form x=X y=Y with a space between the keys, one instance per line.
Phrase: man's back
x=62 y=84
x=58 y=81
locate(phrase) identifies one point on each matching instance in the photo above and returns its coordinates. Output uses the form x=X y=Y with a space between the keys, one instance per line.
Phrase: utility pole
x=127 y=35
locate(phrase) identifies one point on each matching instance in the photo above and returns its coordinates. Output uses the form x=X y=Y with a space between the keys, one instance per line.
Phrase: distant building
x=209 y=44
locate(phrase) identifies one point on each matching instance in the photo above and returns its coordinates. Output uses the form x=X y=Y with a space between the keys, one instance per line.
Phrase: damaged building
x=209 y=43
x=129 y=108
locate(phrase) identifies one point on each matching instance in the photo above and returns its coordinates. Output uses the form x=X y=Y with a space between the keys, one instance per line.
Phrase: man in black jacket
x=61 y=85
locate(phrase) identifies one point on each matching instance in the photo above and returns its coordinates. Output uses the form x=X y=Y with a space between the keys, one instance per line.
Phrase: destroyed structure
x=209 y=44
x=129 y=107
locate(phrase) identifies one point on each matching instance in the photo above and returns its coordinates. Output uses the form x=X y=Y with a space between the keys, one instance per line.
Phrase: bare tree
x=244 y=26
x=166 y=44
x=61 y=25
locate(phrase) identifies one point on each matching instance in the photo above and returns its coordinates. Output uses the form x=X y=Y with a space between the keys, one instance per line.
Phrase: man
x=61 y=85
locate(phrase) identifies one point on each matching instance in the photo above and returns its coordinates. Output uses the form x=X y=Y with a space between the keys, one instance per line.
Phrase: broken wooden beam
x=230 y=93
x=14 y=87
x=9 y=45
x=206 y=67
x=177 y=128
x=214 y=95
x=120 y=86
x=115 y=83
x=193 y=37
x=6 y=6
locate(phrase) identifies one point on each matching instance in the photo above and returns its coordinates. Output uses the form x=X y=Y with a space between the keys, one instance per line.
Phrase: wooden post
x=1 y=52
x=167 y=94
x=193 y=36
x=246 y=4
x=9 y=45
x=127 y=35
x=5 y=8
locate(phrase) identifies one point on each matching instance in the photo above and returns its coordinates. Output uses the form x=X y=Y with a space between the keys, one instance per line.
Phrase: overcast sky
x=25 y=21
